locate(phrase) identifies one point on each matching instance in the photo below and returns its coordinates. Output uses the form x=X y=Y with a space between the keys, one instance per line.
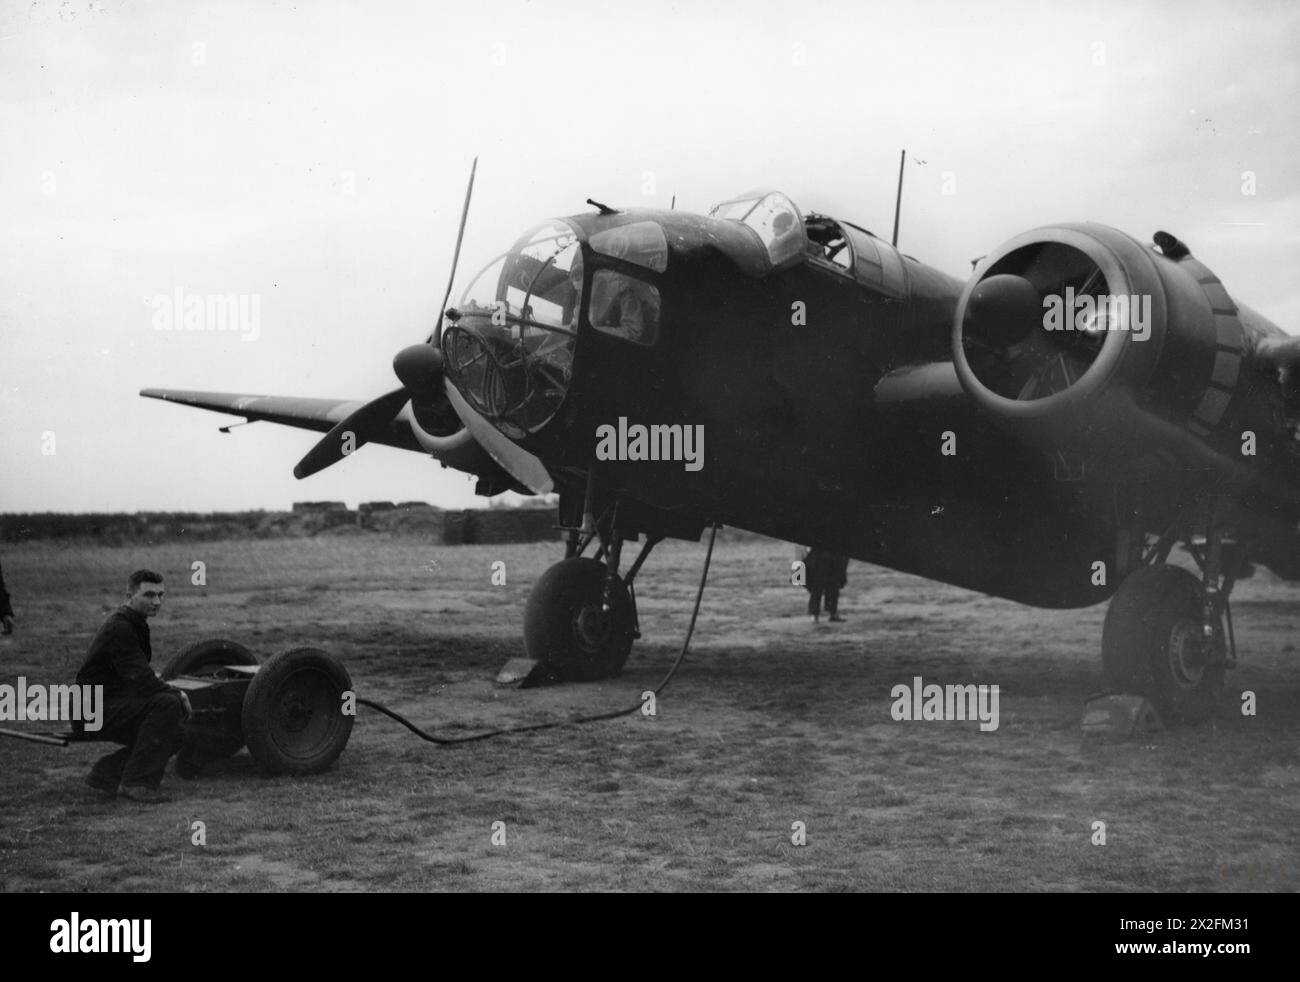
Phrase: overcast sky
x=314 y=155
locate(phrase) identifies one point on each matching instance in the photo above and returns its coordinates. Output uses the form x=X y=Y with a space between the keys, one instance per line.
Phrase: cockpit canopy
x=509 y=350
x=772 y=217
x=788 y=237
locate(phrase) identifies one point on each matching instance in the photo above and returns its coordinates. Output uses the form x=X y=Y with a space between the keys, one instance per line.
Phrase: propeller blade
x=352 y=433
x=514 y=459
x=455 y=258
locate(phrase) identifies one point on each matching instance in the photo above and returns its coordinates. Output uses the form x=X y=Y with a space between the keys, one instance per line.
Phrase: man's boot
x=146 y=796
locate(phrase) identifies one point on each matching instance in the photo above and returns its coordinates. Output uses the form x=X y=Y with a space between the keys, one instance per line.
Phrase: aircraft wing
x=320 y=415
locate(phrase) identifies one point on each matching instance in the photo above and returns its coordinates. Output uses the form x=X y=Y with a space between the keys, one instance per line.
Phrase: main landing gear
x=581 y=617
x=1168 y=633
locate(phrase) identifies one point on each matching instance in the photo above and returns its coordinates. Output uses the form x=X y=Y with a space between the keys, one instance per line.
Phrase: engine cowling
x=1083 y=341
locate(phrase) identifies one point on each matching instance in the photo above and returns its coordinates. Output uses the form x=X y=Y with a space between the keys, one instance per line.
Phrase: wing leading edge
x=319 y=415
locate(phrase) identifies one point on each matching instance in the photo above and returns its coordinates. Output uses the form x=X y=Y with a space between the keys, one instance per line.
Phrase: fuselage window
x=624 y=307
x=869 y=261
x=642 y=243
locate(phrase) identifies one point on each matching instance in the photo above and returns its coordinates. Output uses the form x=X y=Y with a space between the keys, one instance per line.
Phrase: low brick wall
x=495 y=525
x=416 y=520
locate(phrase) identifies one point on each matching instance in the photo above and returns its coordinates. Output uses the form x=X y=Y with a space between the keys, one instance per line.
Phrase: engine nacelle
x=1083 y=341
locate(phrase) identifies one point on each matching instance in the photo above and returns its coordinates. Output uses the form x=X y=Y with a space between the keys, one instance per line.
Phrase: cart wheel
x=205 y=658
x=209 y=737
x=293 y=712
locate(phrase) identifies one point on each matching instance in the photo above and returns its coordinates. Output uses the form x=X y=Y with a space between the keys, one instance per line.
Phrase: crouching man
x=140 y=710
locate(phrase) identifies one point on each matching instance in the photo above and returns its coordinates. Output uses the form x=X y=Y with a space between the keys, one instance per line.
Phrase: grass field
x=771 y=721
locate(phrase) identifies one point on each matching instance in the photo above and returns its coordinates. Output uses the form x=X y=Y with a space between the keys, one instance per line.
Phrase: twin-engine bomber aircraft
x=1046 y=432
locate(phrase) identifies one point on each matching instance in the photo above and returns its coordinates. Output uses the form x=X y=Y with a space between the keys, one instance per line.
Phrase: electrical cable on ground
x=573 y=720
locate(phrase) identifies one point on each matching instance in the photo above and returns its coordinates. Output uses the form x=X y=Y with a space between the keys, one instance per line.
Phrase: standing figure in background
x=6 y=608
x=825 y=574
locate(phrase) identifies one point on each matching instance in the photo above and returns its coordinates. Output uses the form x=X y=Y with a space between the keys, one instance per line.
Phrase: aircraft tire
x=293 y=712
x=1152 y=625
x=565 y=629
x=208 y=741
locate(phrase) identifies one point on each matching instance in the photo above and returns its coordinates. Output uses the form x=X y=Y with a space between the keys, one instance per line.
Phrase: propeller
x=435 y=404
x=1012 y=352
x=419 y=367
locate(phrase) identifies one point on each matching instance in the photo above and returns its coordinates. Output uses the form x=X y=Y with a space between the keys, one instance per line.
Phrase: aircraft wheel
x=209 y=739
x=1152 y=644
x=293 y=712
x=565 y=628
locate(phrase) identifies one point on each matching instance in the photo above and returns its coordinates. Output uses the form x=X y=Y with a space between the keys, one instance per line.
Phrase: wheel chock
x=522 y=673
x=1120 y=715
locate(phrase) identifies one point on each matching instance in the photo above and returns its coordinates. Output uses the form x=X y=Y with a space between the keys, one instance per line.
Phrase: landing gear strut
x=1164 y=636
x=581 y=617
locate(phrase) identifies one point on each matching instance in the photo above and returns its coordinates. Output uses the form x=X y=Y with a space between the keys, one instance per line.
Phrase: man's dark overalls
x=140 y=710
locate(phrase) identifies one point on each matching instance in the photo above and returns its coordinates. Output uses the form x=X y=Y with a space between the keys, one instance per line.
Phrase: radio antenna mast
x=898 y=201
